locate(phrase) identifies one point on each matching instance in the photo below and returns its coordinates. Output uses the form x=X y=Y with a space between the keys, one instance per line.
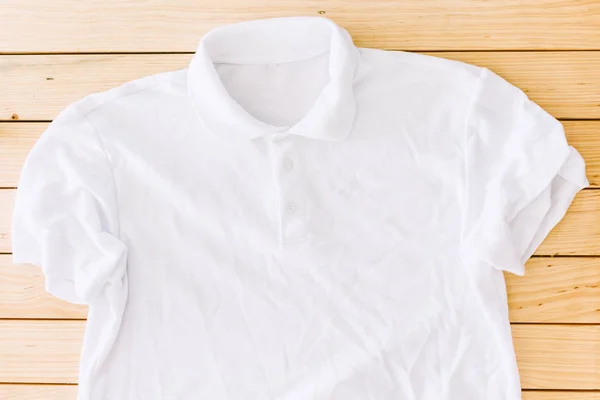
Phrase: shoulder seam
x=110 y=168
x=472 y=100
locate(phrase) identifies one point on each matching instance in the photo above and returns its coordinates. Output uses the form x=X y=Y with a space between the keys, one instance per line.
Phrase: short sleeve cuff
x=507 y=243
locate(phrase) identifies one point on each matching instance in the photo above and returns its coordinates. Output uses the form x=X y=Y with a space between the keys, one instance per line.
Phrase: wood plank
x=37 y=87
x=16 y=140
x=585 y=137
x=22 y=294
x=558 y=290
x=565 y=290
x=40 y=392
x=177 y=25
x=6 y=207
x=69 y=392
x=550 y=356
x=40 y=351
x=577 y=234
x=558 y=356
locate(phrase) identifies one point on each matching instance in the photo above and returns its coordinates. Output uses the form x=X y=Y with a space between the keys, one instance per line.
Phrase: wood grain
x=38 y=87
x=550 y=356
x=16 y=140
x=558 y=356
x=22 y=294
x=585 y=137
x=557 y=290
x=579 y=231
x=577 y=234
x=177 y=25
x=69 y=392
x=6 y=207
x=40 y=392
x=40 y=351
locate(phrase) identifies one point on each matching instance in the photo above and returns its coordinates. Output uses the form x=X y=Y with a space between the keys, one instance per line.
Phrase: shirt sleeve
x=65 y=216
x=520 y=175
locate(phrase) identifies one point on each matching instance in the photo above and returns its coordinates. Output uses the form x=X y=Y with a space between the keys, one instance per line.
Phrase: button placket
x=289 y=182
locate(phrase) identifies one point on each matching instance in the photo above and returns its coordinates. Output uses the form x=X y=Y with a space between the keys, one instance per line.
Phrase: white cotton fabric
x=292 y=217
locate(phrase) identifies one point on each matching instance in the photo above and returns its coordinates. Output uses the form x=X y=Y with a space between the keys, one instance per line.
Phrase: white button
x=288 y=164
x=291 y=207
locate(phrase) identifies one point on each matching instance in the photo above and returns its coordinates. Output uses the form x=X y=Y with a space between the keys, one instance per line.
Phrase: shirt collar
x=276 y=40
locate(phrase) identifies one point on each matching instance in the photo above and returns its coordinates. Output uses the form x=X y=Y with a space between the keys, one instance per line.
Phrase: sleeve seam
x=110 y=168
x=472 y=101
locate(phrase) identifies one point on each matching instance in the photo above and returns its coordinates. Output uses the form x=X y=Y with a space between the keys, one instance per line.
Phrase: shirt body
x=292 y=217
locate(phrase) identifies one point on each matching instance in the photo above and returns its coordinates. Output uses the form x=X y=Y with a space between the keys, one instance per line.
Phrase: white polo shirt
x=292 y=217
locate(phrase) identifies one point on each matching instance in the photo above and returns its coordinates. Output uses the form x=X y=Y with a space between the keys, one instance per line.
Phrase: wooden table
x=55 y=52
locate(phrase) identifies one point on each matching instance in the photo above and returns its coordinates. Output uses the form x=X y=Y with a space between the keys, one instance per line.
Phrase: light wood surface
x=37 y=87
x=50 y=348
x=558 y=356
x=22 y=294
x=44 y=392
x=16 y=140
x=550 y=356
x=549 y=48
x=557 y=290
x=176 y=25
